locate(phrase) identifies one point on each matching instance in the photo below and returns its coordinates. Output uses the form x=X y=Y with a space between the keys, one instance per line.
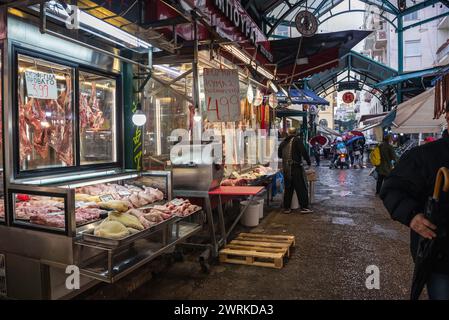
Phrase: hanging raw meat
x=91 y=116
x=24 y=143
x=64 y=150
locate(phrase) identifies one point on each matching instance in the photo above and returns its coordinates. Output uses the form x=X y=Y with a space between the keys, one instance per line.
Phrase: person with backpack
x=382 y=157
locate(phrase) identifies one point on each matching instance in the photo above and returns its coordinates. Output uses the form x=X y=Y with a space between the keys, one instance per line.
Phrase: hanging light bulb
x=139 y=118
x=197 y=116
x=250 y=94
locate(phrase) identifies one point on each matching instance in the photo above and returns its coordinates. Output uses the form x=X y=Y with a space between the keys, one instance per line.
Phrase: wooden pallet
x=268 y=238
x=258 y=250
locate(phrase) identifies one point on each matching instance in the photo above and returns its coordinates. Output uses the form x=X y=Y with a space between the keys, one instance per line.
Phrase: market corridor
x=349 y=231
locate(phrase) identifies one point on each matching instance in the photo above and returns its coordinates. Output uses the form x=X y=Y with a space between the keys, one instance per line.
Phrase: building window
x=411 y=16
x=412 y=48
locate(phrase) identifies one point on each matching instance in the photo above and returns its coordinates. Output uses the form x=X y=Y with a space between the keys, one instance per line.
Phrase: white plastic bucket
x=251 y=216
x=261 y=203
x=295 y=203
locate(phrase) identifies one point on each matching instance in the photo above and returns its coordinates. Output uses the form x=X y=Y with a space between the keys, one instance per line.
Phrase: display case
x=86 y=208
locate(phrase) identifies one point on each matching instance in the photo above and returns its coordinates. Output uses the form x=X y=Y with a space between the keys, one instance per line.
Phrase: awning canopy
x=416 y=115
x=288 y=113
x=367 y=117
x=355 y=67
x=328 y=131
x=316 y=54
x=302 y=96
x=415 y=75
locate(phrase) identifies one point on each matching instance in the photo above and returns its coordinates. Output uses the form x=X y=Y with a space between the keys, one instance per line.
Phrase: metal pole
x=196 y=129
x=400 y=54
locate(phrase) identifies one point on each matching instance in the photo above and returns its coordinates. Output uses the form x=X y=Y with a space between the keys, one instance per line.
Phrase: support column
x=400 y=55
x=197 y=126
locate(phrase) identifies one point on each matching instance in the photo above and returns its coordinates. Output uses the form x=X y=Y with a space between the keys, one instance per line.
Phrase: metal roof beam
x=417 y=24
x=419 y=6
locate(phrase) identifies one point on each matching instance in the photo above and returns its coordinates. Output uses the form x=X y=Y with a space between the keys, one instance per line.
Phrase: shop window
x=2 y=190
x=45 y=118
x=97 y=118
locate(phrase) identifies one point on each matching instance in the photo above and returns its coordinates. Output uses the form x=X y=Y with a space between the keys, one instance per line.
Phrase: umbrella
x=320 y=139
x=353 y=139
x=357 y=133
x=427 y=252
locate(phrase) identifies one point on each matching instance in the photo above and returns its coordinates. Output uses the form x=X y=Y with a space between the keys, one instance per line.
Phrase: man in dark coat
x=405 y=192
x=387 y=156
x=292 y=152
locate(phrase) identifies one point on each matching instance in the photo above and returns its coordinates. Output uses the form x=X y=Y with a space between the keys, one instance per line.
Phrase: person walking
x=387 y=157
x=316 y=153
x=404 y=194
x=292 y=152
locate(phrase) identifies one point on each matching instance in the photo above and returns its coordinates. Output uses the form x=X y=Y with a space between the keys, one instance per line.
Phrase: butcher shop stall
x=68 y=204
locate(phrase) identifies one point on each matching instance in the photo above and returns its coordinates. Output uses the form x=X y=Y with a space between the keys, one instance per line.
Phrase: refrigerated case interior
x=45 y=114
x=97 y=116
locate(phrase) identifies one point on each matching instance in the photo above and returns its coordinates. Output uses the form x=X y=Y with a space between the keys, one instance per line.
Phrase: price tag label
x=177 y=202
x=106 y=198
x=52 y=214
x=41 y=85
x=124 y=193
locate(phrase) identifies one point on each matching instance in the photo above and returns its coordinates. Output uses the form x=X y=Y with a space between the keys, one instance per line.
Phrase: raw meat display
x=135 y=220
x=125 y=197
x=51 y=212
x=111 y=229
x=237 y=179
x=50 y=123
x=91 y=116
x=128 y=220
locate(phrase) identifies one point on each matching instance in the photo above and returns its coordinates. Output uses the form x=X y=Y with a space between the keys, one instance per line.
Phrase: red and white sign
x=221 y=89
x=348 y=97
x=41 y=85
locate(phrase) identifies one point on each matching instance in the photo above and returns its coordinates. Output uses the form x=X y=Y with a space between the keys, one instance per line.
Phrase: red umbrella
x=357 y=133
x=320 y=139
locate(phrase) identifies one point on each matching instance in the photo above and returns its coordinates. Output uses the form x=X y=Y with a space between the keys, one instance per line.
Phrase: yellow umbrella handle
x=442 y=179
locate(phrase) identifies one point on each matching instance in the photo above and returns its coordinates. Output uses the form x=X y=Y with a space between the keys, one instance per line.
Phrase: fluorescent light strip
x=99 y=25
x=58 y=179
x=166 y=69
x=89 y=183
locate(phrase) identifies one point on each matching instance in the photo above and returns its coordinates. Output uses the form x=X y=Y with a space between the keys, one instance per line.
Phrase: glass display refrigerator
x=66 y=199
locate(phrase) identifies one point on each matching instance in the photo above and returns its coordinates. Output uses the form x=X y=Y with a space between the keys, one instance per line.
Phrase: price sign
x=106 y=198
x=221 y=89
x=124 y=193
x=41 y=85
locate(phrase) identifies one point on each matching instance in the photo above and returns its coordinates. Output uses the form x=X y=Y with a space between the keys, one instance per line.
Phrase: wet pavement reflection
x=348 y=231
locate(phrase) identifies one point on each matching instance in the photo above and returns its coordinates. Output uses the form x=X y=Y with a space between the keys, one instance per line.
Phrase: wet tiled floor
x=348 y=231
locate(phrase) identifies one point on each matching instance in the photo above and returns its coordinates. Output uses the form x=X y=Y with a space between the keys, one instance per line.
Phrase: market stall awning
x=303 y=96
x=432 y=72
x=367 y=117
x=328 y=131
x=316 y=54
x=416 y=115
x=287 y=113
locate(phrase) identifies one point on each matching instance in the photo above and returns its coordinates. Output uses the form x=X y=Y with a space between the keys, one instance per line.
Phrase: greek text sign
x=221 y=89
x=41 y=85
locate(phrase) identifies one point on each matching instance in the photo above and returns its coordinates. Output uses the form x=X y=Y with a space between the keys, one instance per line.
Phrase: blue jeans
x=438 y=286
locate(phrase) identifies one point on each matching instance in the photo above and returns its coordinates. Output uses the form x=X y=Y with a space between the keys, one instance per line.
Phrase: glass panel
x=45 y=114
x=97 y=119
x=44 y=211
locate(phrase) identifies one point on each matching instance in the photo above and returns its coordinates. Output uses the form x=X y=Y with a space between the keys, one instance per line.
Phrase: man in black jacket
x=292 y=152
x=405 y=193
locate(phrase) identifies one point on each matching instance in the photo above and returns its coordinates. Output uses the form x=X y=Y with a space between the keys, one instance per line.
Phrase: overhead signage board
x=222 y=93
